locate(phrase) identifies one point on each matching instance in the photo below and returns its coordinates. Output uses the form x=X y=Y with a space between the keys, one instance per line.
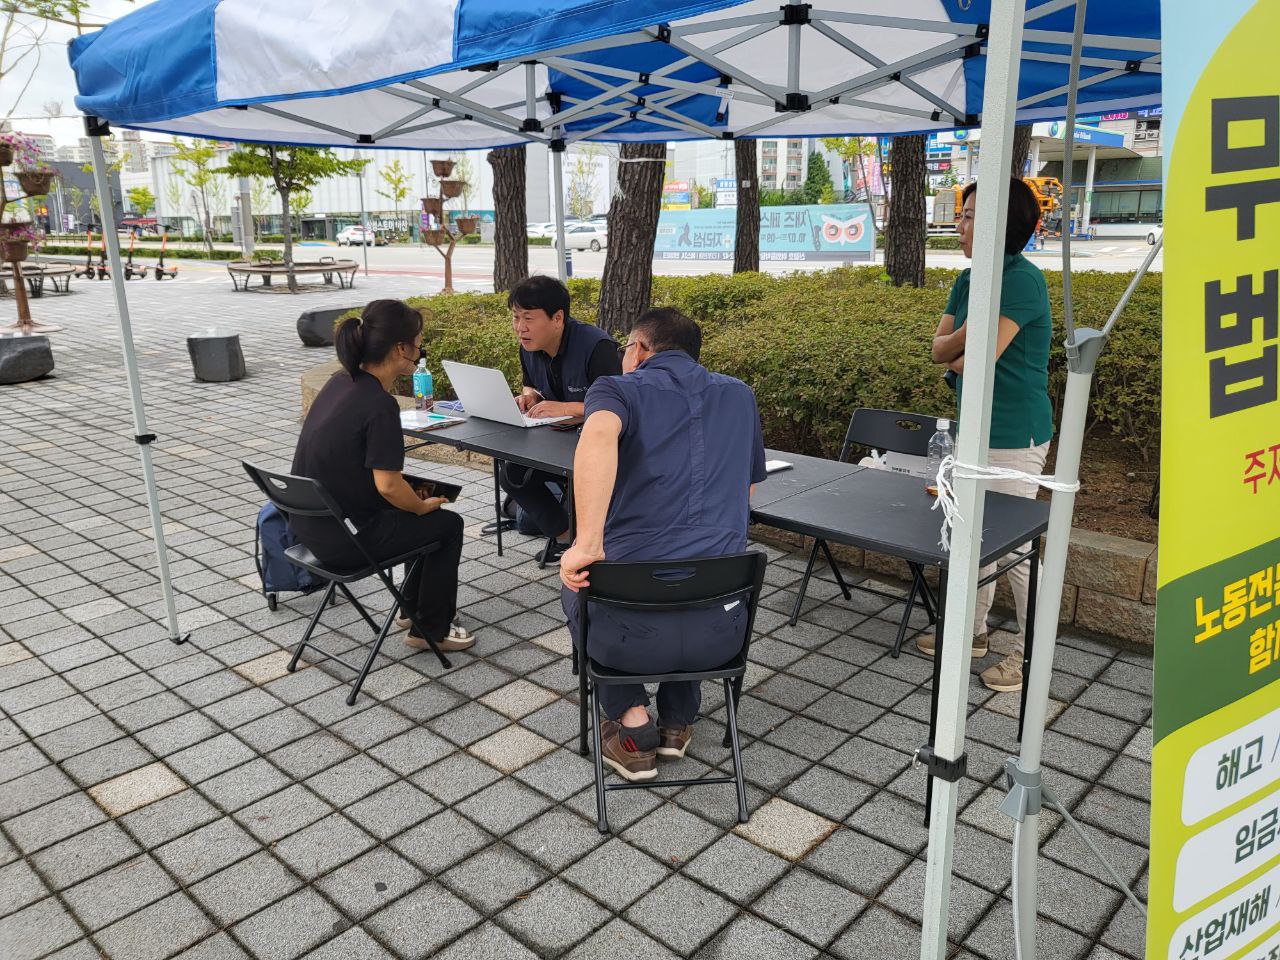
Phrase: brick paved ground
x=199 y=800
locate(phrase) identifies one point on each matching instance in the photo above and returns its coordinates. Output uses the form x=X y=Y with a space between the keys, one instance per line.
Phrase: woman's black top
x=352 y=429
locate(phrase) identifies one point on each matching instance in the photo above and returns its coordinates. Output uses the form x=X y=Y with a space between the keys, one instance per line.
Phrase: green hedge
x=178 y=253
x=814 y=346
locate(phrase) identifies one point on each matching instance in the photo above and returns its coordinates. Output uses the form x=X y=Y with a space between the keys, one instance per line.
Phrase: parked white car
x=1154 y=234
x=540 y=229
x=356 y=236
x=585 y=236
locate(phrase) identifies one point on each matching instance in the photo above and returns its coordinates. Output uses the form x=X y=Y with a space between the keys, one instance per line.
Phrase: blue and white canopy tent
x=475 y=74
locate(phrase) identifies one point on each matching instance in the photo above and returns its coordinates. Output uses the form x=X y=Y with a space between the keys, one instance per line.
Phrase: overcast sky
x=51 y=79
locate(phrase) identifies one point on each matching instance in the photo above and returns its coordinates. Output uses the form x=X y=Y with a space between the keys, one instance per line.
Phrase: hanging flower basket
x=35 y=183
x=436 y=237
x=433 y=206
x=13 y=249
x=452 y=188
x=6 y=154
x=467 y=224
x=442 y=168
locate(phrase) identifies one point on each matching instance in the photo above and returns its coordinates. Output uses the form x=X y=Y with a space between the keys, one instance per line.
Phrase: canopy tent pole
x=557 y=167
x=364 y=220
x=1027 y=791
x=97 y=129
x=945 y=761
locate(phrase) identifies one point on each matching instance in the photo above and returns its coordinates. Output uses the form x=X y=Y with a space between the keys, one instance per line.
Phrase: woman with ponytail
x=351 y=443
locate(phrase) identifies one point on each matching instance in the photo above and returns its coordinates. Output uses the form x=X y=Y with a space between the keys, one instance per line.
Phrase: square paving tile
x=556 y=839
x=207 y=850
x=289 y=928
x=503 y=806
x=736 y=869
x=494 y=877
x=421 y=922
x=749 y=938
x=105 y=898
x=322 y=846
x=37 y=930
x=440 y=842
x=392 y=809
x=553 y=918
x=785 y=829
x=618 y=938
x=682 y=914
x=370 y=882
x=518 y=698
x=136 y=788
x=245 y=887
x=808 y=906
x=511 y=748
x=154 y=932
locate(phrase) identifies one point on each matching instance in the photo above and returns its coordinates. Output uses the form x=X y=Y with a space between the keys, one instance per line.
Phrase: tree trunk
x=510 y=243
x=905 y=231
x=288 y=242
x=627 y=283
x=746 y=240
x=1021 y=151
x=208 y=225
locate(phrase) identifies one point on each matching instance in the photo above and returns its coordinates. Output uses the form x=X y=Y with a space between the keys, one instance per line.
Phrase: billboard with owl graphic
x=834 y=231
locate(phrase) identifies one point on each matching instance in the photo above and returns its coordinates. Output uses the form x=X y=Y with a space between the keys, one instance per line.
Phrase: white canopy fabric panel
x=472 y=74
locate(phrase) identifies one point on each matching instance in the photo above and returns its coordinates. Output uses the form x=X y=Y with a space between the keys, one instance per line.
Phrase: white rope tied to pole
x=950 y=469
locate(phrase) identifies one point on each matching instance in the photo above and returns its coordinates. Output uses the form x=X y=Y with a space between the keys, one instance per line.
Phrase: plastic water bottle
x=940 y=447
x=422 y=386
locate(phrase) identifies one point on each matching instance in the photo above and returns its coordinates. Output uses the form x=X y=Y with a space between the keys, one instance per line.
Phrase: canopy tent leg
x=364 y=221
x=557 y=167
x=97 y=129
x=947 y=761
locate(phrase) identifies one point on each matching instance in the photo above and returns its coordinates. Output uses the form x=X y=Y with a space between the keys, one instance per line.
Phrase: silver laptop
x=484 y=393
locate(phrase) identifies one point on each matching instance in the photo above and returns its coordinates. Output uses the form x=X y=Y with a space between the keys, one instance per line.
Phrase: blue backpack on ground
x=279 y=575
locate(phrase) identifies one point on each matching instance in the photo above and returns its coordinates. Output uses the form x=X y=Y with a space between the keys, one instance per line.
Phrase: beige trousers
x=1028 y=460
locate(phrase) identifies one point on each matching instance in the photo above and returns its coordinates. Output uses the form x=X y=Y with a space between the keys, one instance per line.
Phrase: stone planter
x=13 y=250
x=467 y=224
x=315 y=327
x=442 y=168
x=24 y=358
x=35 y=183
x=216 y=357
x=451 y=188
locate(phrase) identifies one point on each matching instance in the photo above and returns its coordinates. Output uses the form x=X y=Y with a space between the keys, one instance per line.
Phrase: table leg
x=933 y=693
x=497 y=502
x=1033 y=577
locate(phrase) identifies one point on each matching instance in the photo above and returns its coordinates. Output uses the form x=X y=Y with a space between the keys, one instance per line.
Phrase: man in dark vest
x=560 y=358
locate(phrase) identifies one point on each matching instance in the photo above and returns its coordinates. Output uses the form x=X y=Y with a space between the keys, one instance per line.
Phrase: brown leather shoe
x=674 y=740
x=631 y=765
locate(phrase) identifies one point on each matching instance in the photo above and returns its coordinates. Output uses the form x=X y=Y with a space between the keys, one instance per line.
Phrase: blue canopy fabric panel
x=464 y=74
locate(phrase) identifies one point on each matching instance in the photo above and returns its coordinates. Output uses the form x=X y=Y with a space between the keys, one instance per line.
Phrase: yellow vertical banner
x=1214 y=891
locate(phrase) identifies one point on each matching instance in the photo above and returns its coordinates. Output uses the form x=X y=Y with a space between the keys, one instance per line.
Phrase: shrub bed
x=56 y=249
x=816 y=345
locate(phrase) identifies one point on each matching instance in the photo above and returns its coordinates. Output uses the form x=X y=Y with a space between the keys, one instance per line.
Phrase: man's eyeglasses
x=624 y=347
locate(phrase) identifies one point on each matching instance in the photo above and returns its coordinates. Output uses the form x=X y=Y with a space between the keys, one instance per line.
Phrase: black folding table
x=892 y=513
x=540 y=448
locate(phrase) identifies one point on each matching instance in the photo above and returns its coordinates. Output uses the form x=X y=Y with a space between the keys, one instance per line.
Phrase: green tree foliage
x=293 y=170
x=142 y=200
x=704 y=197
x=582 y=183
x=398 y=180
x=818 y=179
x=193 y=162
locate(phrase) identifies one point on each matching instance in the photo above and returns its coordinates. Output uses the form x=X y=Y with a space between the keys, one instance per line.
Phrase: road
x=473 y=265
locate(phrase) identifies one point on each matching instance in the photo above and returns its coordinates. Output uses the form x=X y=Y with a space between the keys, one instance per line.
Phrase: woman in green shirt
x=1021 y=416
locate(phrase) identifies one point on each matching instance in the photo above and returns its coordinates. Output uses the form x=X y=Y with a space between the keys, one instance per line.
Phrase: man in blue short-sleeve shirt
x=663 y=471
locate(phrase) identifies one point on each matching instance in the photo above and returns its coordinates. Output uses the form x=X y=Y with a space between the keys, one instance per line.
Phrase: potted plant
x=467 y=224
x=16 y=238
x=451 y=188
x=441 y=168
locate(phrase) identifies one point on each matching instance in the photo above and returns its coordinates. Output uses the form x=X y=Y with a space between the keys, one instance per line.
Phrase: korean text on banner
x=1215 y=812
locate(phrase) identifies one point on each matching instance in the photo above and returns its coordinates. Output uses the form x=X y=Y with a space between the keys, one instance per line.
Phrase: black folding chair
x=888 y=431
x=668 y=586
x=304 y=497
